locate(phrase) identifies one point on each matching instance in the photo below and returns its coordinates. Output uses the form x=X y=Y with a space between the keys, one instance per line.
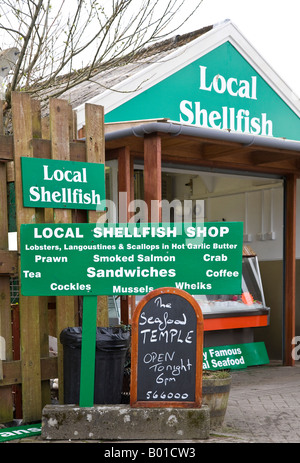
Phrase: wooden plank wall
x=6 y=351
x=53 y=137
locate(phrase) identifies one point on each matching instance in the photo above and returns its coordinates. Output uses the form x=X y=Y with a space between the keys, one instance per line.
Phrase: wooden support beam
x=263 y=157
x=290 y=269
x=125 y=190
x=6 y=147
x=212 y=151
x=12 y=371
x=124 y=183
x=152 y=176
x=8 y=262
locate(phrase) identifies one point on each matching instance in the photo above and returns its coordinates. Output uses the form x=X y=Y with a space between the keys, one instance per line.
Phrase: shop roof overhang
x=212 y=148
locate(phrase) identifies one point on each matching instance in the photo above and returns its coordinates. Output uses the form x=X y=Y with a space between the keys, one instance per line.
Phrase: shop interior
x=257 y=201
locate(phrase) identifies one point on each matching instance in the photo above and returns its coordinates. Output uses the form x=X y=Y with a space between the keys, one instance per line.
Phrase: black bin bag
x=111 y=347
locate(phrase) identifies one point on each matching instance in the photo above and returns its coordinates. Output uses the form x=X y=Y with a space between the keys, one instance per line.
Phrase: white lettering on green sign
x=62 y=184
x=229 y=118
x=234 y=356
x=68 y=175
x=235 y=87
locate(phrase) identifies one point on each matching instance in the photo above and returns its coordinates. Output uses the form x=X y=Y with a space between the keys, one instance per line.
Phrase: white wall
x=263 y=224
x=257 y=202
x=253 y=201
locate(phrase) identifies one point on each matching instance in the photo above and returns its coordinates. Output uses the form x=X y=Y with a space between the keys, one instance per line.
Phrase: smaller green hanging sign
x=235 y=356
x=63 y=184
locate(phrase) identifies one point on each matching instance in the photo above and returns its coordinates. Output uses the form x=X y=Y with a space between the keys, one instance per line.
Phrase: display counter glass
x=230 y=319
x=251 y=298
x=236 y=311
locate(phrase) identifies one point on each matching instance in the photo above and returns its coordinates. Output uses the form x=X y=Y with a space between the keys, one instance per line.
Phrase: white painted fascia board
x=182 y=57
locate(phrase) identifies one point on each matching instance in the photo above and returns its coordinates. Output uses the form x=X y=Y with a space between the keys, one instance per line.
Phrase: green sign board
x=131 y=259
x=63 y=184
x=19 y=432
x=220 y=90
x=235 y=356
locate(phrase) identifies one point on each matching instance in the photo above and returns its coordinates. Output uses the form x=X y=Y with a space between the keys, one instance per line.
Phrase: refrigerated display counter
x=231 y=319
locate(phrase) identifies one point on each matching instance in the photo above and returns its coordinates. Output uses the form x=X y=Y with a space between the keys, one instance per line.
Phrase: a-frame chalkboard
x=167 y=350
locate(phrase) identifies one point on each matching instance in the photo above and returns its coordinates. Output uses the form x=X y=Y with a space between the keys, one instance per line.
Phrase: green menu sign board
x=106 y=259
x=62 y=184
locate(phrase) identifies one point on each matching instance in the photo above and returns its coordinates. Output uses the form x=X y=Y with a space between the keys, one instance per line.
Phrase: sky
x=271 y=26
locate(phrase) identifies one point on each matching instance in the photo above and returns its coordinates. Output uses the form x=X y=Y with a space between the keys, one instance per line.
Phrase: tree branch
x=101 y=36
x=24 y=48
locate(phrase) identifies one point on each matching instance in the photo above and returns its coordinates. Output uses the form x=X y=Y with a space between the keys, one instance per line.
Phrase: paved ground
x=263 y=407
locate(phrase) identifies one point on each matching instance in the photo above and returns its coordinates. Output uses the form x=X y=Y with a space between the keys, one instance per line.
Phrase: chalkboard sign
x=167 y=350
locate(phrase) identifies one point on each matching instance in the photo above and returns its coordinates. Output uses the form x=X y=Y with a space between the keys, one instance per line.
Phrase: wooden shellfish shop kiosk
x=214 y=122
x=158 y=143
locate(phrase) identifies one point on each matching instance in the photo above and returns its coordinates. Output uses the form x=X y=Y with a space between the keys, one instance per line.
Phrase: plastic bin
x=111 y=348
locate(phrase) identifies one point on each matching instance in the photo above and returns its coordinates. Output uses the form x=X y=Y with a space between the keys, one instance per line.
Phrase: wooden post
x=152 y=176
x=95 y=152
x=125 y=182
x=60 y=150
x=1 y=117
x=29 y=306
x=6 y=398
x=43 y=301
x=95 y=309
x=290 y=269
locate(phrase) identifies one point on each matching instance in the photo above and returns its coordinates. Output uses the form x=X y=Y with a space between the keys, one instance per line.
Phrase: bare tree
x=65 y=43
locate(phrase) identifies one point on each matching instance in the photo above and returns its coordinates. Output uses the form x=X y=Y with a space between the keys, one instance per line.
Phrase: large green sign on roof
x=220 y=90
